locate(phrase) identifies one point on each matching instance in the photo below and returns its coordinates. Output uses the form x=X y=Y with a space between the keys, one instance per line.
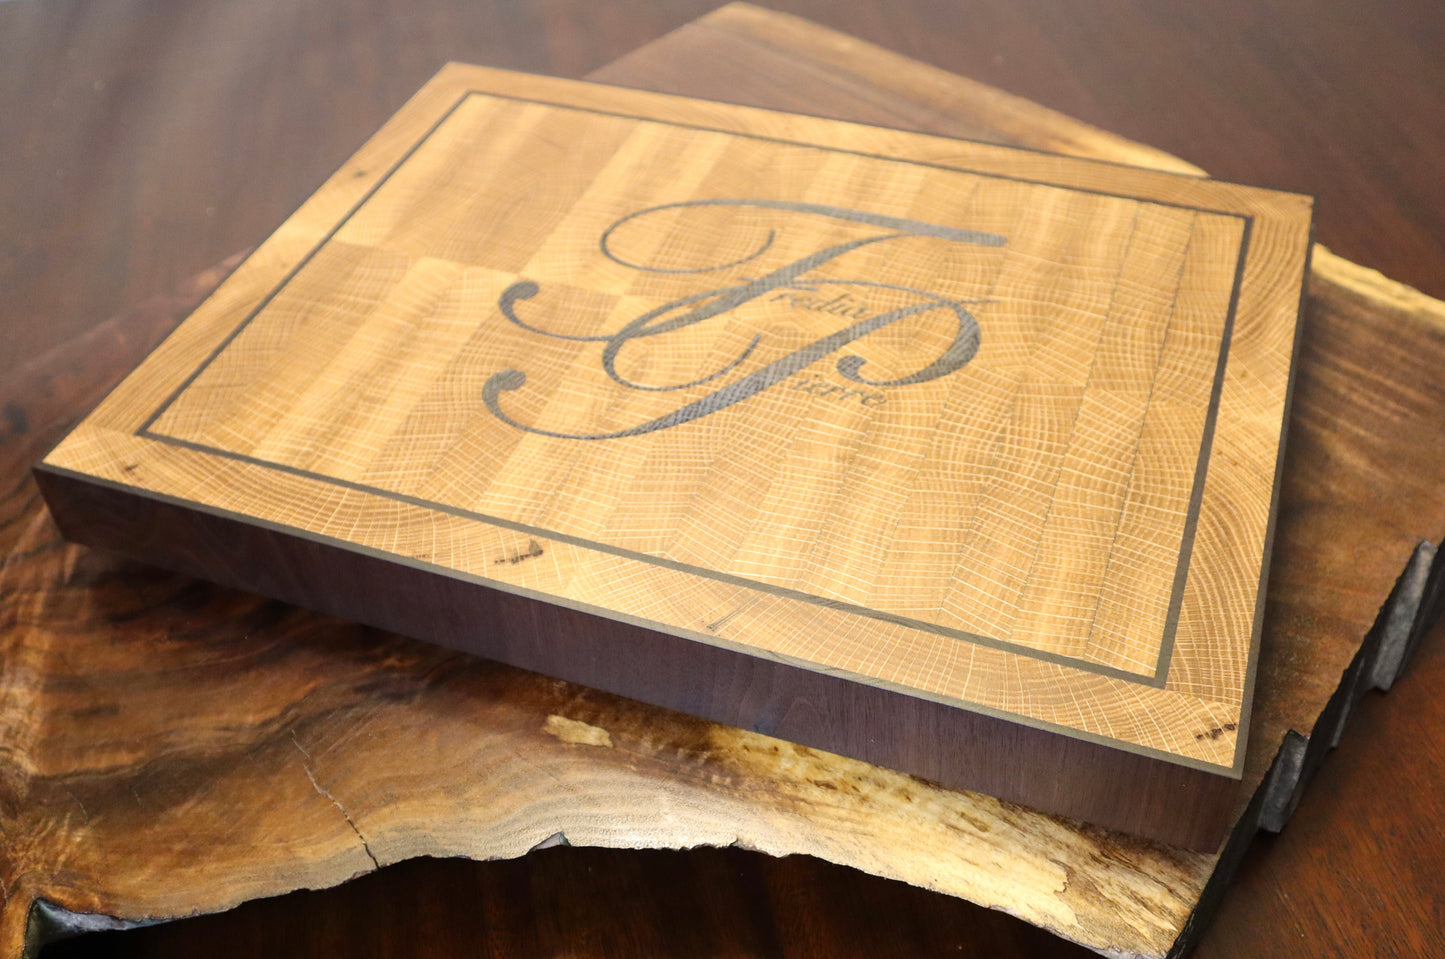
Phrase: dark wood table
x=143 y=142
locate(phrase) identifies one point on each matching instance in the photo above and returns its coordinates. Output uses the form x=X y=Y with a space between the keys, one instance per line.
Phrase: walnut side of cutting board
x=950 y=457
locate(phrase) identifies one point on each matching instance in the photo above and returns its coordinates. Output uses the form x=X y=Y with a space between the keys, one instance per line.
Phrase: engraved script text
x=791 y=280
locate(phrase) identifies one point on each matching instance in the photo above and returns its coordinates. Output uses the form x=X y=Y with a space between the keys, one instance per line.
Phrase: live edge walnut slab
x=955 y=458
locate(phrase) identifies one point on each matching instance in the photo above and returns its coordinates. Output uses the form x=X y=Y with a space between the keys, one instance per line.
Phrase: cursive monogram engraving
x=789 y=280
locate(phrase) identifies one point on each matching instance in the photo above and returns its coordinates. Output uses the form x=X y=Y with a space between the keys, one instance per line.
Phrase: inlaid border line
x=1166 y=647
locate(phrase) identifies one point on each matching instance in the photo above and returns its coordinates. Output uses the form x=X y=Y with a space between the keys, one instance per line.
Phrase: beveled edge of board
x=55 y=476
x=1070 y=774
x=941 y=151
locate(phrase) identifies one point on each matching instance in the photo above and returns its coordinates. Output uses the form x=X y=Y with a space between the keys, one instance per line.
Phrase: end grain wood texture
x=974 y=449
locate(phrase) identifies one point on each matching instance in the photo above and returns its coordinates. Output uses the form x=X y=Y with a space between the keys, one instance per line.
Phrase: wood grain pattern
x=367 y=749
x=504 y=344
x=1340 y=546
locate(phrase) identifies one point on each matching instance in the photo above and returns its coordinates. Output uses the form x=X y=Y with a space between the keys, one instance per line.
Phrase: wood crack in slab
x=322 y=790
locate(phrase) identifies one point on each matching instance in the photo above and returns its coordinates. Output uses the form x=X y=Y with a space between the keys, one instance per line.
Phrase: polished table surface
x=142 y=142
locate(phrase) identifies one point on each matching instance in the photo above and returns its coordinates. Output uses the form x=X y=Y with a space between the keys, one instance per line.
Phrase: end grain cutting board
x=952 y=457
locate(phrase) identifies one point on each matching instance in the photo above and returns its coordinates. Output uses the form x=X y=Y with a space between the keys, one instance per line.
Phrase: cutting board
x=179 y=748
x=951 y=457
